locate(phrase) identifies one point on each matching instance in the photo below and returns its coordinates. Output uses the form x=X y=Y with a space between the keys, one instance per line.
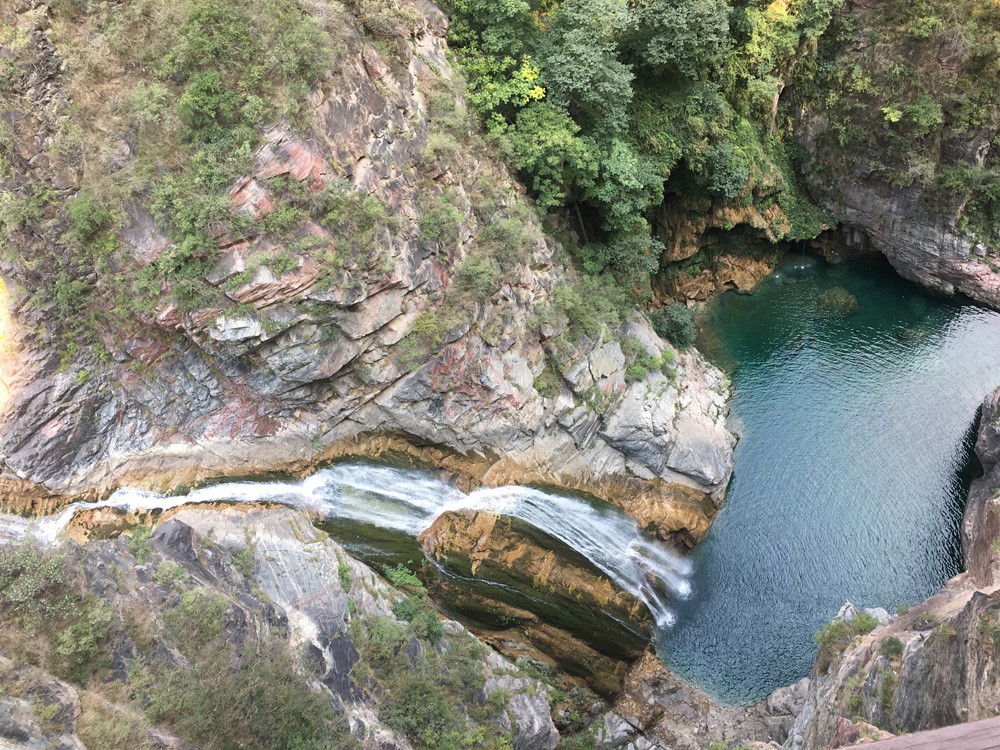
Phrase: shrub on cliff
x=833 y=638
x=676 y=323
x=434 y=696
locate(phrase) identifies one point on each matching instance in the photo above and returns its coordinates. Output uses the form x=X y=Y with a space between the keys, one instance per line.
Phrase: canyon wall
x=456 y=346
x=898 y=132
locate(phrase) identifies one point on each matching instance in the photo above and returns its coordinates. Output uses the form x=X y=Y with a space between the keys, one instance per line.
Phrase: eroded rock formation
x=304 y=362
x=535 y=588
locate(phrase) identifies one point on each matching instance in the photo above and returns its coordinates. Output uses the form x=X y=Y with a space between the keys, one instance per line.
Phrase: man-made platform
x=976 y=735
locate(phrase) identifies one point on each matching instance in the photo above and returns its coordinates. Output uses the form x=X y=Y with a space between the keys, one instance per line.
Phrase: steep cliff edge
x=935 y=664
x=373 y=280
x=899 y=126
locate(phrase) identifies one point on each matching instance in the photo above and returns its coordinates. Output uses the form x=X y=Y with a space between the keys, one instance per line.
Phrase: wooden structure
x=976 y=735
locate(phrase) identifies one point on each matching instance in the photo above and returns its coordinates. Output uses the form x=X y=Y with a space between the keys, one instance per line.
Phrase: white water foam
x=408 y=501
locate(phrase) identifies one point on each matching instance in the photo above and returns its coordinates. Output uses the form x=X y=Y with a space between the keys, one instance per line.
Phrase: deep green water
x=854 y=438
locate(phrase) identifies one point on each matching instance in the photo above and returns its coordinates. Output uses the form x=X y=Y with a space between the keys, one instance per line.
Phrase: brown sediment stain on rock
x=537 y=595
x=684 y=231
x=479 y=538
x=675 y=512
x=92 y=524
x=724 y=273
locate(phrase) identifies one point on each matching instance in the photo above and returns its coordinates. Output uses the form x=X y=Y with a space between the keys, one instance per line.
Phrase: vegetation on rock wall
x=216 y=691
x=609 y=107
x=186 y=87
x=208 y=657
x=904 y=84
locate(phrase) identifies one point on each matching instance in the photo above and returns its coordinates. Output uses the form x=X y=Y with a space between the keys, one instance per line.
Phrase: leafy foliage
x=893 y=98
x=425 y=687
x=635 y=102
x=676 y=323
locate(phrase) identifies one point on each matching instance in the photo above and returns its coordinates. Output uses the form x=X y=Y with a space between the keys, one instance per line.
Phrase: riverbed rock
x=838 y=302
x=296 y=361
x=536 y=589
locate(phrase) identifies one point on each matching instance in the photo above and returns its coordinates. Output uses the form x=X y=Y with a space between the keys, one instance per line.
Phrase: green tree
x=547 y=148
x=581 y=69
x=686 y=37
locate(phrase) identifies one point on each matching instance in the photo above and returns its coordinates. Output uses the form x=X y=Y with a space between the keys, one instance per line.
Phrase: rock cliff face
x=275 y=574
x=657 y=711
x=894 y=144
x=935 y=665
x=300 y=359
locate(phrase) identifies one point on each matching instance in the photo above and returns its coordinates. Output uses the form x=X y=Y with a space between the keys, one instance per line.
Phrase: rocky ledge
x=297 y=362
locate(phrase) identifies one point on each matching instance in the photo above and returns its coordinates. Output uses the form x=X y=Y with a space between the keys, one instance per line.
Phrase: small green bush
x=167 y=573
x=833 y=638
x=422 y=618
x=635 y=372
x=892 y=647
x=593 y=305
x=138 y=543
x=83 y=641
x=33 y=581
x=408 y=608
x=477 y=276
x=88 y=217
x=403 y=577
x=207 y=106
x=423 y=340
x=344 y=574
x=675 y=323
x=548 y=381
x=440 y=220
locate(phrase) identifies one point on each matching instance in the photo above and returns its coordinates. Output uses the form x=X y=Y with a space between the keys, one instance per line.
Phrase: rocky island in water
x=415 y=375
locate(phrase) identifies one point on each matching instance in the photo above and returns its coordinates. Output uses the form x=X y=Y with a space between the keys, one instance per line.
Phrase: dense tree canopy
x=605 y=106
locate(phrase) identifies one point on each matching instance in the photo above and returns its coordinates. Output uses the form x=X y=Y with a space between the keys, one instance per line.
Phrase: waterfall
x=409 y=501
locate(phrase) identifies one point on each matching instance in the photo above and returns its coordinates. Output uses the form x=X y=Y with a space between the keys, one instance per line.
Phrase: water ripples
x=847 y=481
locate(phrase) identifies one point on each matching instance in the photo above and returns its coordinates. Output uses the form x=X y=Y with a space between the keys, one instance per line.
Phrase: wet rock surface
x=526 y=586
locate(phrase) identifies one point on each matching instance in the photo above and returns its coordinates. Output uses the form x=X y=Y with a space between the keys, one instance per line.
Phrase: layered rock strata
x=302 y=364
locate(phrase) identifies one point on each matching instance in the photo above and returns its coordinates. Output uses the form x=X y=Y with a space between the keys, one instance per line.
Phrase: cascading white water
x=408 y=501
